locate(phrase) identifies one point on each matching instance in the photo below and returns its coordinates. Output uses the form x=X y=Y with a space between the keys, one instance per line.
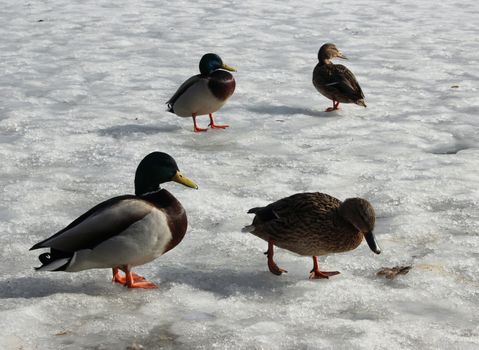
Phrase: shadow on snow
x=288 y=110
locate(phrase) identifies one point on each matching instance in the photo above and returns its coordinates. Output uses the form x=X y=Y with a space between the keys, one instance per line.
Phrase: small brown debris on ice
x=393 y=272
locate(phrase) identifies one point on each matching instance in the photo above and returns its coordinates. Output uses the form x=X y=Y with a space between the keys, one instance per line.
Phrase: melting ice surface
x=82 y=92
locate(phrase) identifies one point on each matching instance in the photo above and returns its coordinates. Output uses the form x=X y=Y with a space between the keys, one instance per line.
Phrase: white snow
x=82 y=101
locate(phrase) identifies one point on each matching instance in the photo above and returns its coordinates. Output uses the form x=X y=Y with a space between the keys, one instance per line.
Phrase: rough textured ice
x=82 y=92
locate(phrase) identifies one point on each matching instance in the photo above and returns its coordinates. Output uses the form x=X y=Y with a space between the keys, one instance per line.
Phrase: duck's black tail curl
x=55 y=260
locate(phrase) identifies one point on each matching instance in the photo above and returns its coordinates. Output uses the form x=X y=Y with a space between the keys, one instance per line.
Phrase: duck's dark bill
x=231 y=69
x=340 y=55
x=182 y=179
x=373 y=245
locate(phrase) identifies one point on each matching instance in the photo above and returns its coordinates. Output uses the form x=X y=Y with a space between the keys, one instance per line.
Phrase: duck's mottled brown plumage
x=313 y=224
x=336 y=81
x=307 y=224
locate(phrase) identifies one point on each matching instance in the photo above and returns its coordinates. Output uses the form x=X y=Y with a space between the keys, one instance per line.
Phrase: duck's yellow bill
x=225 y=66
x=181 y=179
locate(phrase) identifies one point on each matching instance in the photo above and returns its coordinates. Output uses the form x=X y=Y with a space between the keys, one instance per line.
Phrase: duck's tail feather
x=169 y=107
x=248 y=228
x=254 y=210
x=55 y=260
x=263 y=214
x=361 y=102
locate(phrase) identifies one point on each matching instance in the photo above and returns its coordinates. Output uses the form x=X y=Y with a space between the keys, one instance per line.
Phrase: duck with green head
x=124 y=231
x=336 y=81
x=313 y=224
x=205 y=93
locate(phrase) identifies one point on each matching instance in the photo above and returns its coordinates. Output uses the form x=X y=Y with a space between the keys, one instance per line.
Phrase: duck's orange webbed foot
x=334 y=108
x=196 y=129
x=118 y=278
x=216 y=126
x=132 y=283
x=212 y=124
x=141 y=284
x=322 y=274
x=316 y=274
x=195 y=126
x=273 y=268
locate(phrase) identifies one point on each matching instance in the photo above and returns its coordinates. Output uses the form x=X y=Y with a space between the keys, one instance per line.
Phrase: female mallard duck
x=204 y=93
x=335 y=81
x=124 y=231
x=314 y=224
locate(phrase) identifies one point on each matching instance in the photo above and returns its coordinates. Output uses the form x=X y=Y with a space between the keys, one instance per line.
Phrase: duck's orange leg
x=335 y=106
x=118 y=278
x=195 y=126
x=273 y=268
x=316 y=274
x=212 y=124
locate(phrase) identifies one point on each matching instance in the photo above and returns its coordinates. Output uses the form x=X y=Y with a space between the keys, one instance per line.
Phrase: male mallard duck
x=335 y=81
x=204 y=93
x=124 y=231
x=314 y=224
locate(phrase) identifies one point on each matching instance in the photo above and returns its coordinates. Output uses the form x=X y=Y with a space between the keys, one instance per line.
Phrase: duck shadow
x=38 y=287
x=288 y=110
x=130 y=129
x=227 y=282
x=222 y=282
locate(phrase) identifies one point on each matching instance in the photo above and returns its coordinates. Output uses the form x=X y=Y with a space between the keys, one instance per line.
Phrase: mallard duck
x=335 y=81
x=314 y=224
x=204 y=93
x=124 y=231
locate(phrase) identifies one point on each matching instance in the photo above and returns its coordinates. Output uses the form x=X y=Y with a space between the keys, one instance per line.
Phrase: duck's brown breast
x=175 y=214
x=222 y=84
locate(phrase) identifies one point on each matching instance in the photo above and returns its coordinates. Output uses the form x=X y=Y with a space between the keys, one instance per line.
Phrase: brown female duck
x=335 y=81
x=124 y=231
x=314 y=224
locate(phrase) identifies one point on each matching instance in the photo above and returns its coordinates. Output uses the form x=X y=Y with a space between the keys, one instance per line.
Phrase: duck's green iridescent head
x=155 y=169
x=211 y=62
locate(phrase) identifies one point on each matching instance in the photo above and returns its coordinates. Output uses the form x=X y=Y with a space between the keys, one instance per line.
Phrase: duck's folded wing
x=185 y=86
x=276 y=217
x=280 y=229
x=345 y=81
x=300 y=203
x=294 y=214
x=100 y=223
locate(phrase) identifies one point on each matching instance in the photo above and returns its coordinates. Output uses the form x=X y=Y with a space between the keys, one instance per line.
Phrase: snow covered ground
x=82 y=92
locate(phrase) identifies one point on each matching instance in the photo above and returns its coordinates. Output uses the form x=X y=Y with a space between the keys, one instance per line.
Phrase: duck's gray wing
x=185 y=86
x=100 y=223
